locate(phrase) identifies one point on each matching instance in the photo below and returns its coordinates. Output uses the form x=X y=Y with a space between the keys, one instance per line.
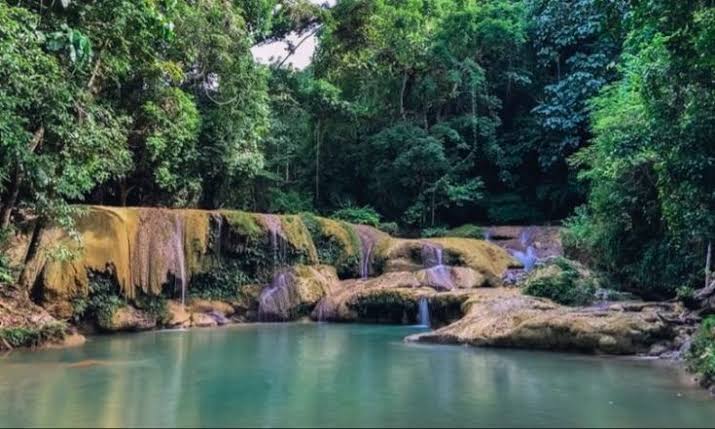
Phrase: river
x=334 y=375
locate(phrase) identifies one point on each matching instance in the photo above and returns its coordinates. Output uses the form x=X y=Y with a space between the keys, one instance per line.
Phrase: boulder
x=447 y=278
x=127 y=318
x=295 y=291
x=504 y=317
x=390 y=298
x=202 y=320
x=487 y=259
x=178 y=316
x=211 y=306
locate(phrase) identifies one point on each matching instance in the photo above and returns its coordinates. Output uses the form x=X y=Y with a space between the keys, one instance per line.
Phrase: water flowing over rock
x=503 y=317
x=294 y=292
x=368 y=240
x=423 y=316
x=278 y=248
x=436 y=273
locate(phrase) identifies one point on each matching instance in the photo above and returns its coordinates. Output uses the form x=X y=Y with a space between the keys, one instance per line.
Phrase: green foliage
x=101 y=303
x=562 y=281
x=358 y=215
x=651 y=208
x=466 y=231
x=439 y=231
x=32 y=337
x=223 y=282
x=391 y=228
x=701 y=356
x=333 y=247
x=155 y=306
x=6 y=276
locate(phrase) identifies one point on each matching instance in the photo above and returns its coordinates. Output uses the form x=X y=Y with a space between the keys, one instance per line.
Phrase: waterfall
x=274 y=301
x=367 y=244
x=438 y=275
x=219 y=235
x=180 y=269
x=528 y=257
x=273 y=223
x=488 y=235
x=423 y=313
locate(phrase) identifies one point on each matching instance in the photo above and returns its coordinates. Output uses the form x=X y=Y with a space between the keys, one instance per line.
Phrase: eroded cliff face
x=288 y=263
x=132 y=269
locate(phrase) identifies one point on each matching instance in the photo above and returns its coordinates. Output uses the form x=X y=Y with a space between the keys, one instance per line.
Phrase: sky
x=301 y=59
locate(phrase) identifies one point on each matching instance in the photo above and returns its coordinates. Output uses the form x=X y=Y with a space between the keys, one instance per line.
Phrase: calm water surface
x=333 y=375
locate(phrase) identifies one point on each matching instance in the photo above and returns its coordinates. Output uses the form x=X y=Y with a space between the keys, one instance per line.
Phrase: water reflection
x=332 y=375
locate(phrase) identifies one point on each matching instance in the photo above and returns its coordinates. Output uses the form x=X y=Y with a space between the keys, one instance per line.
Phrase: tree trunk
x=317 y=162
x=16 y=181
x=12 y=194
x=708 y=260
x=27 y=276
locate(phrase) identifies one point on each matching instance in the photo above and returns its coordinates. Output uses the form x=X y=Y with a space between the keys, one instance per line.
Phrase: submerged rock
x=505 y=318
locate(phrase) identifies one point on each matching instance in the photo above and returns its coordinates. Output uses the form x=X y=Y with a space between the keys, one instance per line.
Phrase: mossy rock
x=563 y=281
x=304 y=286
x=336 y=243
x=406 y=255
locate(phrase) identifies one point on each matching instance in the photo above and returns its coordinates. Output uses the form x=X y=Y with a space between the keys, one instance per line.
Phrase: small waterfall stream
x=367 y=245
x=438 y=275
x=528 y=257
x=180 y=269
x=274 y=301
x=423 y=318
x=273 y=223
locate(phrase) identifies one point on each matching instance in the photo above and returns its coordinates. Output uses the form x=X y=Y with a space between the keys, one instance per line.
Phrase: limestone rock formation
x=128 y=318
x=505 y=318
x=390 y=298
x=295 y=291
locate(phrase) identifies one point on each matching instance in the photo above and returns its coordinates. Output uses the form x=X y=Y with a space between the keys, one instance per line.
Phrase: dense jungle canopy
x=417 y=114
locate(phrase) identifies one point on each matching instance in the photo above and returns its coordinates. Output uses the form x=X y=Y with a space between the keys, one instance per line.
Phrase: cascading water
x=423 y=313
x=219 y=235
x=274 y=300
x=528 y=257
x=367 y=245
x=438 y=275
x=273 y=222
x=180 y=269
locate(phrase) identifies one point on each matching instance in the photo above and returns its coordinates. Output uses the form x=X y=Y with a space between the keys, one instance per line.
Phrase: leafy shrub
x=438 y=231
x=651 y=266
x=289 y=202
x=701 y=356
x=359 y=215
x=5 y=271
x=562 y=281
x=32 y=337
x=222 y=282
x=466 y=231
x=102 y=302
x=391 y=228
x=155 y=306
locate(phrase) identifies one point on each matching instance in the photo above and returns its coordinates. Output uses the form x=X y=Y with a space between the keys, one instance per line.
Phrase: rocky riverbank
x=138 y=269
